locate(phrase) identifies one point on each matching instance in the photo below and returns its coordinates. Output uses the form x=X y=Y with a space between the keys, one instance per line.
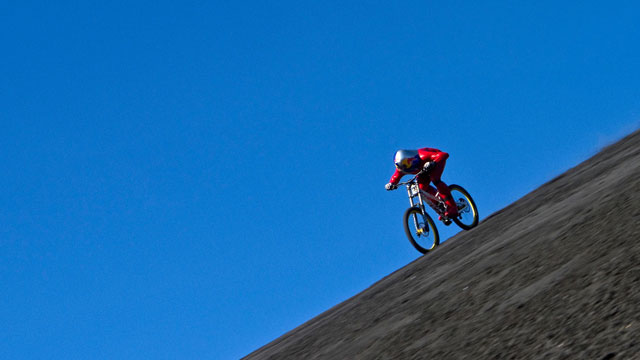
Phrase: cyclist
x=431 y=162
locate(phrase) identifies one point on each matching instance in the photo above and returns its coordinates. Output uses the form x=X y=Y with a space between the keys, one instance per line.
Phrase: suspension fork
x=420 y=206
x=411 y=196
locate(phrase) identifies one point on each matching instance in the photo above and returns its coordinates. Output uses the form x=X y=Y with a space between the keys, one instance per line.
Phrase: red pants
x=445 y=194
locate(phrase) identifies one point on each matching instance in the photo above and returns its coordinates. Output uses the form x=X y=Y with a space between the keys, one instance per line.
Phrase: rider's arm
x=395 y=178
x=440 y=156
x=431 y=154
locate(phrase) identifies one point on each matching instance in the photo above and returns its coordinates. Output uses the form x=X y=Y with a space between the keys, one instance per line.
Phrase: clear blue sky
x=193 y=179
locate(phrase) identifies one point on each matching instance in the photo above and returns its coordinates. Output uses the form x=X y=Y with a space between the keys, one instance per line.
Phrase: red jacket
x=426 y=154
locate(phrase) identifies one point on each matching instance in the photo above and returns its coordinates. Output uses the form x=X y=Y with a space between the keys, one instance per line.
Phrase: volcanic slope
x=555 y=275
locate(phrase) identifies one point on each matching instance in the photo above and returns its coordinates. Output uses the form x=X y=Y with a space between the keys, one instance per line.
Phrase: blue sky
x=194 y=179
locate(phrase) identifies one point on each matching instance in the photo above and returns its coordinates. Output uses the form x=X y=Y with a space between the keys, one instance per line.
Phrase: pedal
x=447 y=222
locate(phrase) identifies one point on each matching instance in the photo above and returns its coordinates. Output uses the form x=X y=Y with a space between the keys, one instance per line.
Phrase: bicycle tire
x=408 y=221
x=470 y=202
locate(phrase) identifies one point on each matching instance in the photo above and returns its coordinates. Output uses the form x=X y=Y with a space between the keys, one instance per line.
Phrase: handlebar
x=413 y=179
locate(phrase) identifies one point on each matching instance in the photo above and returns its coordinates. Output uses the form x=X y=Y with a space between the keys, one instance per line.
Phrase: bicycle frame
x=419 y=225
x=413 y=190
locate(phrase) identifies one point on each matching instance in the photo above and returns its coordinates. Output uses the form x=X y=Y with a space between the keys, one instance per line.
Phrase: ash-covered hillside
x=555 y=275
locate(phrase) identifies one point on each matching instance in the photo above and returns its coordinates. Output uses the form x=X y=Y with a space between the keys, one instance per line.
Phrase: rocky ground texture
x=555 y=275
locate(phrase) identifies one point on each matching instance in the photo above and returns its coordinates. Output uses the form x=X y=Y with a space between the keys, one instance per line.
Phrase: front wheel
x=420 y=230
x=467 y=217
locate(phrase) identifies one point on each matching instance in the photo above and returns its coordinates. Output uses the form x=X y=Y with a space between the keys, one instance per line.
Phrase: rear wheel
x=420 y=230
x=467 y=210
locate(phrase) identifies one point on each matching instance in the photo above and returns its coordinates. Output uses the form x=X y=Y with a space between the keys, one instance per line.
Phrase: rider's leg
x=428 y=188
x=445 y=193
x=423 y=183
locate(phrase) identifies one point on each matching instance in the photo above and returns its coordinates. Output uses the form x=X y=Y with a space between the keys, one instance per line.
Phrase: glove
x=428 y=166
x=390 y=186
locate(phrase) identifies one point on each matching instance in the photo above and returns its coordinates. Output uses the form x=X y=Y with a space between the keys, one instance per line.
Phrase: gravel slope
x=555 y=275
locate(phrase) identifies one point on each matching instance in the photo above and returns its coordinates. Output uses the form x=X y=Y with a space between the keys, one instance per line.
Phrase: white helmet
x=407 y=160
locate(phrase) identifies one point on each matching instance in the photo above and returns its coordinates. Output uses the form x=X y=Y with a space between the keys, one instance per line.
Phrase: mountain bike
x=419 y=226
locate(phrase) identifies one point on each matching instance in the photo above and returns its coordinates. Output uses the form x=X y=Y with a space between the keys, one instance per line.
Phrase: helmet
x=407 y=160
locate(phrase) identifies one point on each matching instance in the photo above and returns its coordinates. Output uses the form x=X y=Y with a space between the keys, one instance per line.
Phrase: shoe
x=445 y=220
x=451 y=211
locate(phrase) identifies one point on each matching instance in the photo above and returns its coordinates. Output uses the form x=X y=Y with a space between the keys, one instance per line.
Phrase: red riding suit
x=440 y=159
